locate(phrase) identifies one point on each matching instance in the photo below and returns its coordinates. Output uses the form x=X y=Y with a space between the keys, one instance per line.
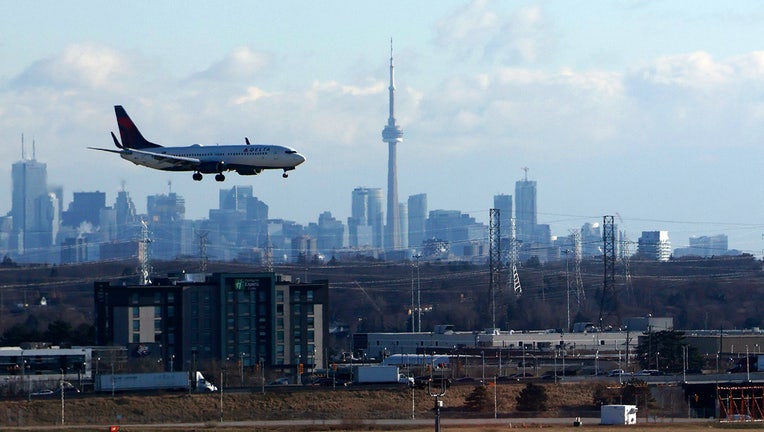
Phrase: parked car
x=42 y=393
x=280 y=381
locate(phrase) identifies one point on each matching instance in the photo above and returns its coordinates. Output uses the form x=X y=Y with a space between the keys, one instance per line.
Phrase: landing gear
x=285 y=175
x=197 y=176
x=219 y=177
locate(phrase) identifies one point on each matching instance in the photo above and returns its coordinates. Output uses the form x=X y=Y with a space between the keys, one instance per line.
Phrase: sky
x=652 y=111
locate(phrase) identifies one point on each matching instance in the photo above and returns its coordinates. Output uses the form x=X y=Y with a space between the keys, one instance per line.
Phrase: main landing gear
x=197 y=176
x=219 y=177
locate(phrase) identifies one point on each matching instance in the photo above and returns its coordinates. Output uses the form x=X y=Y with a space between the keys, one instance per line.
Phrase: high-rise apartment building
x=654 y=245
x=504 y=204
x=170 y=233
x=417 y=217
x=365 y=224
x=246 y=317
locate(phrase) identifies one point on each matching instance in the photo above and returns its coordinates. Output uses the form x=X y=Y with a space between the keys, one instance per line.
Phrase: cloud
x=476 y=31
x=240 y=64
x=79 y=66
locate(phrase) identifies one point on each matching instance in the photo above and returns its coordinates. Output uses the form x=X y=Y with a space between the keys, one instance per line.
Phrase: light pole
x=482 y=355
x=413 y=310
x=241 y=368
x=418 y=294
x=657 y=367
x=172 y=363
x=262 y=375
x=62 y=396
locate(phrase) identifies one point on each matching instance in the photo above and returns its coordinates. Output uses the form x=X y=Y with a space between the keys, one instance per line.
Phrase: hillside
x=376 y=296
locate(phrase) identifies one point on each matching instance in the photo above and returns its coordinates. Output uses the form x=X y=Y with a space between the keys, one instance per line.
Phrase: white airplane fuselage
x=234 y=157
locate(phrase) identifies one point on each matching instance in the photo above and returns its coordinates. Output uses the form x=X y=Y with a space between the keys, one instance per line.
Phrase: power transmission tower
x=203 y=250
x=580 y=293
x=608 y=300
x=514 y=277
x=144 y=256
x=625 y=257
x=494 y=260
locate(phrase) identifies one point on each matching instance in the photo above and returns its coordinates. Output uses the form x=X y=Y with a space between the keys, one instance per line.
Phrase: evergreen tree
x=477 y=400
x=532 y=398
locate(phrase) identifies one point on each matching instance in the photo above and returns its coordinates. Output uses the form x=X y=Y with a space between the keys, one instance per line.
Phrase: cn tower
x=392 y=134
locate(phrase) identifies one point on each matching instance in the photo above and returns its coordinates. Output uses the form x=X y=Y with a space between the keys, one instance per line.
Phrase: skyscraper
x=392 y=135
x=525 y=214
x=365 y=221
x=504 y=204
x=35 y=211
x=417 y=213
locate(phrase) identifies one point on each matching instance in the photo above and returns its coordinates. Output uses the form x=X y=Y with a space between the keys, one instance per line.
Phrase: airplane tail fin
x=131 y=136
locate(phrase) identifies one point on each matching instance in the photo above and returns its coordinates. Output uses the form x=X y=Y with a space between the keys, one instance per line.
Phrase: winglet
x=116 y=142
x=246 y=139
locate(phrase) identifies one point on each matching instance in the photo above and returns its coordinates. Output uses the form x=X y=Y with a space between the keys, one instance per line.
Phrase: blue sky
x=651 y=110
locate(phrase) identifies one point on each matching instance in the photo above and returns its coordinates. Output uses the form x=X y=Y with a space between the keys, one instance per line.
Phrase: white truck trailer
x=152 y=381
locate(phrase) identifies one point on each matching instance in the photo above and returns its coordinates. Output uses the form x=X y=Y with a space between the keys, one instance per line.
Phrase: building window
x=280 y=309
x=157 y=311
x=157 y=297
x=309 y=294
x=134 y=298
x=136 y=338
x=279 y=295
x=157 y=325
x=136 y=325
x=136 y=312
x=280 y=323
x=280 y=336
x=170 y=297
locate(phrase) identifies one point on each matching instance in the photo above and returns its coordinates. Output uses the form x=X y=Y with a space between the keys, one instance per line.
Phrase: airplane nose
x=299 y=158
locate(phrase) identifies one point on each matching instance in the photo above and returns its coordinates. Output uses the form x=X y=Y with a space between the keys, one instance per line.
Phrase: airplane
x=247 y=159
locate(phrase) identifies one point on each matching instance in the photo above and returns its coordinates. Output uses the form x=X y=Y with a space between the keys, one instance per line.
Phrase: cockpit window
x=291 y=151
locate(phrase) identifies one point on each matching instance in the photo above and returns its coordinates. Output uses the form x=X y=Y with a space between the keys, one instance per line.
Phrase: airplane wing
x=107 y=150
x=179 y=161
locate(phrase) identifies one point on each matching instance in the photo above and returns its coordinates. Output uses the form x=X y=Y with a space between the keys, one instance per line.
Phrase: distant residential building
x=504 y=204
x=417 y=220
x=329 y=233
x=654 y=245
x=403 y=224
x=366 y=221
x=459 y=230
x=170 y=234
x=705 y=246
x=218 y=317
x=526 y=213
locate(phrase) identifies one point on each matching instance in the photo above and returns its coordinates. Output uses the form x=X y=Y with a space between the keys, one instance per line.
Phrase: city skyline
x=242 y=229
x=664 y=131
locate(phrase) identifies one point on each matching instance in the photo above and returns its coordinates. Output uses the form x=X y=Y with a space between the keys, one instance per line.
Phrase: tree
x=665 y=350
x=532 y=398
x=477 y=400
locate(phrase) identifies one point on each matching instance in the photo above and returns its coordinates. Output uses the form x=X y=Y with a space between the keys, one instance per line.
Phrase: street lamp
x=418 y=294
x=241 y=367
x=657 y=367
x=482 y=355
